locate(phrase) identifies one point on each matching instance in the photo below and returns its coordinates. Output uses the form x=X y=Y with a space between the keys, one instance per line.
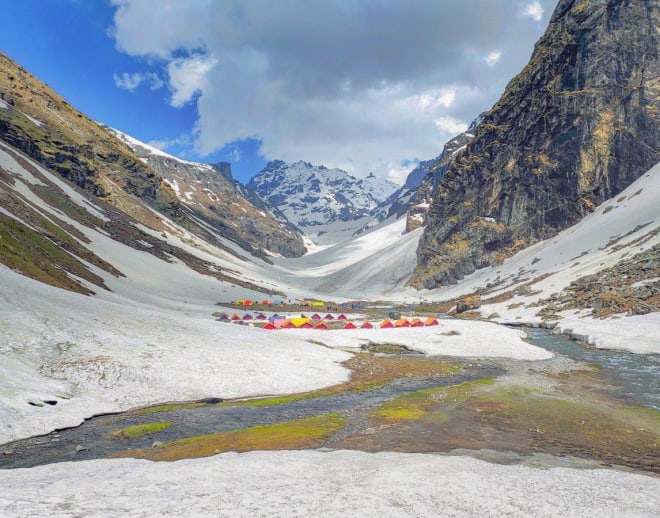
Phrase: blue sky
x=364 y=85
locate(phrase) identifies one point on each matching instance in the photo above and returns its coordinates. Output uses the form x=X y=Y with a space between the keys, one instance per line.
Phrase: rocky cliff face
x=575 y=127
x=434 y=170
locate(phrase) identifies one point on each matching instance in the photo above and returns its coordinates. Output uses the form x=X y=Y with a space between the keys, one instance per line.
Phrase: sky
x=362 y=85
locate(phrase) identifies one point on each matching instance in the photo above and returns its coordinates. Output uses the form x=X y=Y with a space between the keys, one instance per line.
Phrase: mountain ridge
x=312 y=197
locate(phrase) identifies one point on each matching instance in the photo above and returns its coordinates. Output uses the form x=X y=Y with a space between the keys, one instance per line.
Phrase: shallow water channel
x=634 y=378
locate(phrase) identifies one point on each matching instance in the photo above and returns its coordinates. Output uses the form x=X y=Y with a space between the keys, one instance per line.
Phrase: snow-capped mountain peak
x=311 y=196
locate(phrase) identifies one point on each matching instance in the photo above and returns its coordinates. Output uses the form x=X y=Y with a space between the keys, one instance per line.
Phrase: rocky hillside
x=311 y=196
x=41 y=124
x=210 y=192
x=575 y=127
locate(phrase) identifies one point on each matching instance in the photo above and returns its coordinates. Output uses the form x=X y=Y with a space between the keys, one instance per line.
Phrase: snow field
x=314 y=483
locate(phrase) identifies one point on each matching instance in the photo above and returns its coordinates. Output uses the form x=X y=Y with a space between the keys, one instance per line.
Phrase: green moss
x=165 y=408
x=297 y=434
x=139 y=430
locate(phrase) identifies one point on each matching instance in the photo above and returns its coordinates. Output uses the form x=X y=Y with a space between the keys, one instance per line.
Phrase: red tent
x=367 y=325
x=386 y=324
x=416 y=322
x=402 y=322
x=261 y=316
x=235 y=317
x=350 y=325
x=315 y=316
x=342 y=317
x=329 y=317
x=322 y=325
x=431 y=321
x=269 y=325
x=247 y=316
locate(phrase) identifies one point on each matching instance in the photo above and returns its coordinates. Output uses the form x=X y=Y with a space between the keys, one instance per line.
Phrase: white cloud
x=534 y=11
x=363 y=86
x=188 y=77
x=130 y=81
x=492 y=58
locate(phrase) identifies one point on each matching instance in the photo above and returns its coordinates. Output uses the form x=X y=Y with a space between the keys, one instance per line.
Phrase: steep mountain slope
x=41 y=124
x=312 y=196
x=210 y=193
x=575 y=127
x=606 y=265
x=53 y=231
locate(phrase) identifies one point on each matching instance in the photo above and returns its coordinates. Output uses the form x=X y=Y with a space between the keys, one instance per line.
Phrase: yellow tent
x=300 y=321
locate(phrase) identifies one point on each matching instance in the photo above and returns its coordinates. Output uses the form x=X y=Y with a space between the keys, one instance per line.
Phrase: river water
x=635 y=378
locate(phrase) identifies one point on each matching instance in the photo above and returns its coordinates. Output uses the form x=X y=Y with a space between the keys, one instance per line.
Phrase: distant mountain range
x=311 y=196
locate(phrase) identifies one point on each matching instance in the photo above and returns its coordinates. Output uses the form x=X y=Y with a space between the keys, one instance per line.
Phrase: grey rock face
x=574 y=128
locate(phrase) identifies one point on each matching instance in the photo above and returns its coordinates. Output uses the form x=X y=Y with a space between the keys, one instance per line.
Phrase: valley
x=482 y=340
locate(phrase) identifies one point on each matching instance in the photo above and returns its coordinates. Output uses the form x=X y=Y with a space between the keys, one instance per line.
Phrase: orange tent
x=402 y=322
x=322 y=326
x=416 y=322
x=386 y=324
x=431 y=321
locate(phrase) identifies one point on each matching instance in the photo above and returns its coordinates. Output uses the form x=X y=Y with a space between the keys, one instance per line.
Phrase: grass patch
x=165 y=408
x=140 y=430
x=291 y=435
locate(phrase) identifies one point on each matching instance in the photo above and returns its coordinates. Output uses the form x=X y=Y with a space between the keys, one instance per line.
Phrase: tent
x=318 y=304
x=300 y=322
x=315 y=316
x=342 y=317
x=386 y=324
x=431 y=321
x=247 y=316
x=235 y=317
x=261 y=316
x=329 y=317
x=321 y=325
x=367 y=325
x=416 y=322
x=223 y=316
x=269 y=325
x=287 y=324
x=402 y=322
x=350 y=325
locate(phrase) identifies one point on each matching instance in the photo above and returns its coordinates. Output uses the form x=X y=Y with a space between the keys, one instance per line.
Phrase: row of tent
x=307 y=323
x=278 y=302
x=261 y=316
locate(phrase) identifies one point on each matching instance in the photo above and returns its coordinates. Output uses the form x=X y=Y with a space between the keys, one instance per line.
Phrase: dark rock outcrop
x=574 y=128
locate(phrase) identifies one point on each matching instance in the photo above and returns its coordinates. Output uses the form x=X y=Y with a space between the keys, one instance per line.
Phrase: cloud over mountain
x=362 y=86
